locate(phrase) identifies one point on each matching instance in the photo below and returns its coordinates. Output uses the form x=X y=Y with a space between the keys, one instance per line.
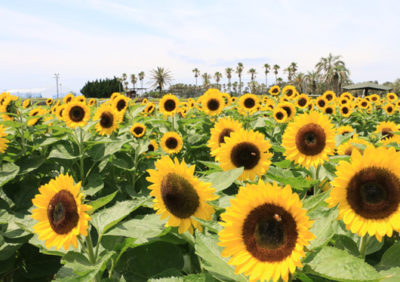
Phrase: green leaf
x=324 y=225
x=201 y=277
x=285 y=177
x=101 y=202
x=94 y=184
x=210 y=253
x=64 y=150
x=100 y=151
x=315 y=200
x=391 y=274
x=339 y=265
x=391 y=257
x=7 y=250
x=344 y=242
x=8 y=171
x=30 y=164
x=123 y=161
x=141 y=229
x=224 y=179
x=105 y=219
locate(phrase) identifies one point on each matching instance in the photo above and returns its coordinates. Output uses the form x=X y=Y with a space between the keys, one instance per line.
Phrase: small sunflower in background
x=68 y=98
x=390 y=109
x=364 y=104
x=3 y=141
x=274 y=90
x=386 y=129
x=144 y=101
x=374 y=98
x=347 y=95
x=168 y=105
x=138 y=130
x=222 y=128
x=280 y=115
x=26 y=103
x=289 y=92
x=121 y=103
x=347 y=147
x=81 y=99
x=149 y=109
x=114 y=95
x=344 y=129
x=345 y=111
x=289 y=108
x=76 y=114
x=329 y=95
x=302 y=101
x=92 y=102
x=321 y=102
x=171 y=142
x=367 y=191
x=212 y=103
x=153 y=146
x=248 y=102
x=265 y=232
x=62 y=216
x=179 y=195
x=329 y=110
x=49 y=101
x=344 y=101
x=233 y=100
x=108 y=119
x=391 y=97
x=247 y=149
x=36 y=116
x=59 y=111
x=309 y=139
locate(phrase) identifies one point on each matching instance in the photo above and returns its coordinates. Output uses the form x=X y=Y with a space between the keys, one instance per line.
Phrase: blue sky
x=86 y=40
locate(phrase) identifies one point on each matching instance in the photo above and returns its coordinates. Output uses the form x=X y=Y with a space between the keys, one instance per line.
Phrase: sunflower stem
x=364 y=245
x=89 y=248
x=81 y=164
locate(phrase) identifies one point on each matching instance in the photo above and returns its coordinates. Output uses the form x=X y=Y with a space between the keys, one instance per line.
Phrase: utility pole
x=60 y=89
x=57 y=77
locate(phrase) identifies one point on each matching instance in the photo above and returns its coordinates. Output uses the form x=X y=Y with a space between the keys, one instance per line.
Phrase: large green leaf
x=391 y=258
x=30 y=163
x=8 y=171
x=201 y=277
x=339 y=265
x=323 y=227
x=94 y=184
x=104 y=219
x=223 y=179
x=101 y=202
x=64 y=150
x=391 y=274
x=210 y=253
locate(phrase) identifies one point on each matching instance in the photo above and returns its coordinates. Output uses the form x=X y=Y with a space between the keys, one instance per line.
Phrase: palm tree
x=141 y=77
x=206 y=80
x=196 y=73
x=276 y=68
x=267 y=69
x=160 y=77
x=311 y=80
x=279 y=81
x=133 y=80
x=217 y=77
x=333 y=71
x=239 y=70
x=253 y=73
x=299 y=81
x=228 y=72
x=235 y=86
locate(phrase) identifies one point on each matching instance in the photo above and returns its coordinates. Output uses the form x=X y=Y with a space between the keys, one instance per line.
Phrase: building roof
x=367 y=85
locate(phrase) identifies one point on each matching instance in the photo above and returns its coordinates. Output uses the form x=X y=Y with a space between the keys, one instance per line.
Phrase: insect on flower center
x=245 y=154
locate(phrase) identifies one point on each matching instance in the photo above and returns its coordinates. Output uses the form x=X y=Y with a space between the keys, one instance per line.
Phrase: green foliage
x=101 y=88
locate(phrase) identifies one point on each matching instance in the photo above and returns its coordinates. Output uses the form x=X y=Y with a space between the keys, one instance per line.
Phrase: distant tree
x=267 y=69
x=228 y=72
x=161 y=77
x=276 y=68
x=196 y=73
x=133 y=80
x=101 y=88
x=239 y=70
x=206 y=80
x=141 y=78
x=217 y=77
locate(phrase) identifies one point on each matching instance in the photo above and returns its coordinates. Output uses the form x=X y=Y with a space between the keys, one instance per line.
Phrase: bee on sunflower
x=247 y=149
x=367 y=191
x=309 y=139
x=3 y=141
x=168 y=105
x=179 y=195
x=222 y=128
x=171 y=142
x=265 y=231
x=61 y=214
x=138 y=130
x=76 y=114
x=108 y=119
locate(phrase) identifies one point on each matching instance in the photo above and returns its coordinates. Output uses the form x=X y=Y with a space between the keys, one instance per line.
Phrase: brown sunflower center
x=138 y=130
x=226 y=132
x=68 y=99
x=213 y=104
x=289 y=92
x=274 y=90
x=386 y=133
x=106 y=119
x=121 y=105
x=329 y=110
x=364 y=104
x=279 y=116
x=179 y=195
x=150 y=148
x=150 y=109
x=345 y=110
x=62 y=212
x=269 y=233
x=245 y=154
x=311 y=139
x=389 y=109
x=302 y=102
x=169 y=105
x=348 y=151
x=288 y=110
x=77 y=113
x=321 y=103
x=35 y=114
x=374 y=193
x=249 y=103
x=171 y=143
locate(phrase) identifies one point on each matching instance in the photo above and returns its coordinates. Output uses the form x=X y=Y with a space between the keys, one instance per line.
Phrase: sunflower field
x=278 y=187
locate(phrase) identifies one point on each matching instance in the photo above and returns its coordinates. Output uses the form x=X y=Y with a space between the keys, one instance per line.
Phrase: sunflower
x=92 y=102
x=374 y=98
x=364 y=104
x=153 y=146
x=348 y=147
x=114 y=96
x=171 y=142
x=179 y=195
x=345 y=111
x=149 y=108
x=212 y=103
x=8 y=105
x=248 y=102
x=233 y=99
x=26 y=103
x=76 y=114
x=81 y=99
x=386 y=129
x=222 y=128
x=289 y=108
x=389 y=109
x=247 y=149
x=344 y=129
x=367 y=191
x=309 y=139
x=391 y=97
x=38 y=113
x=329 y=95
x=68 y=98
x=321 y=102
x=3 y=141
x=59 y=111
x=289 y=92
x=168 y=104
x=144 y=101
x=280 y=115
x=138 y=130
x=121 y=103
x=274 y=90
x=344 y=101
x=329 y=110
x=108 y=119
x=49 y=101
x=227 y=98
x=302 y=101
x=347 y=95
x=62 y=216
x=265 y=232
